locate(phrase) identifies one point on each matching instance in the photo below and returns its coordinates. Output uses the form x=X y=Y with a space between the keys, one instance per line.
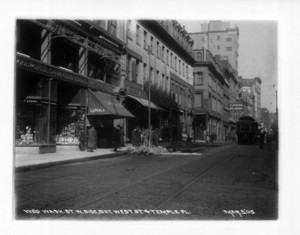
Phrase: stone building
x=159 y=55
x=220 y=38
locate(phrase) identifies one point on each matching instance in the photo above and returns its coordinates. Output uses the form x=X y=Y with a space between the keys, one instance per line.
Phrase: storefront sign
x=48 y=70
x=236 y=106
x=97 y=110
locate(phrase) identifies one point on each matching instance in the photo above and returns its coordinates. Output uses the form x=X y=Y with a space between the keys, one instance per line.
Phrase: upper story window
x=129 y=24
x=137 y=34
x=199 y=56
x=228 y=48
x=179 y=66
x=228 y=39
x=167 y=57
x=175 y=63
x=218 y=37
x=145 y=40
x=112 y=27
x=218 y=47
x=187 y=72
x=171 y=62
x=158 y=50
x=199 y=78
x=152 y=44
x=163 y=53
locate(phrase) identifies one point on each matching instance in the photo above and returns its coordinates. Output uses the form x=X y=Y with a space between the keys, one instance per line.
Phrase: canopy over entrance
x=103 y=104
x=146 y=103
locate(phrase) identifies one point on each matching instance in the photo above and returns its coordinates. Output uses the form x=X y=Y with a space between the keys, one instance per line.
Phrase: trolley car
x=247 y=130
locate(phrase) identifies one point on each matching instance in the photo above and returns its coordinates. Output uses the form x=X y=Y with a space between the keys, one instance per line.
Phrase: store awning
x=146 y=103
x=103 y=104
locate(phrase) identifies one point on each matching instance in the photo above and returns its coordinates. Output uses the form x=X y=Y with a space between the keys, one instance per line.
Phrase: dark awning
x=146 y=103
x=103 y=104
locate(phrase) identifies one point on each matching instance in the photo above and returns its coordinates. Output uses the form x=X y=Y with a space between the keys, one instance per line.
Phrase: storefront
x=140 y=108
x=104 y=113
x=52 y=106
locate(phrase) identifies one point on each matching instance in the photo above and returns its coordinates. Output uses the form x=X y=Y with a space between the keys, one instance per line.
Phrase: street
x=226 y=182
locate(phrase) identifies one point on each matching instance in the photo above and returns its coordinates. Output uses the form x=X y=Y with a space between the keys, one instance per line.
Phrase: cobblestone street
x=226 y=182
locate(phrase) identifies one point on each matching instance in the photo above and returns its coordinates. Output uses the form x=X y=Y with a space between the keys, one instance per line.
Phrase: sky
x=257 y=54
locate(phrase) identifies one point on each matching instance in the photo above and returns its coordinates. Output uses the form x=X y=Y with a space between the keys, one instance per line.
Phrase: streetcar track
x=150 y=177
x=189 y=183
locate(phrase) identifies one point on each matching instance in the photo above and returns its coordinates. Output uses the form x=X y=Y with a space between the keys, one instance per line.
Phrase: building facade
x=251 y=91
x=160 y=56
x=216 y=87
x=69 y=75
x=220 y=39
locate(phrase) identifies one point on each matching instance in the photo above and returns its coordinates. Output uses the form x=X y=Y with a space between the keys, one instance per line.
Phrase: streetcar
x=247 y=130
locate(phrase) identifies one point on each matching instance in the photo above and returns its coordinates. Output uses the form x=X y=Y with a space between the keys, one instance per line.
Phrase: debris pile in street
x=146 y=150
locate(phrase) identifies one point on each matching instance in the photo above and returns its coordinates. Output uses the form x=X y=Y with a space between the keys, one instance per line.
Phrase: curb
x=64 y=162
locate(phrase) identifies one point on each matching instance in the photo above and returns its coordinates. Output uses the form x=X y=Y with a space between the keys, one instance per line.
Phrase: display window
x=32 y=123
x=70 y=125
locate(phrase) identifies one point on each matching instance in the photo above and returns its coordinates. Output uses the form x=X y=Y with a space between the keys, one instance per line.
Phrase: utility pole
x=149 y=99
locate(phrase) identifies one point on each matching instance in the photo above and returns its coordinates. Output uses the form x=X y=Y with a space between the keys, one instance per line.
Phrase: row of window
x=229 y=39
x=138 y=72
x=214 y=104
x=182 y=96
x=227 y=48
x=159 y=50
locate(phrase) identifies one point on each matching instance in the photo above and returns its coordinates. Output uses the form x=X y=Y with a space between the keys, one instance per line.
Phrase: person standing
x=117 y=133
x=262 y=135
x=92 y=137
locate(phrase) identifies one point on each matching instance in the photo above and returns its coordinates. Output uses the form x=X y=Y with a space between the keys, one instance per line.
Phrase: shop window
x=32 y=123
x=70 y=124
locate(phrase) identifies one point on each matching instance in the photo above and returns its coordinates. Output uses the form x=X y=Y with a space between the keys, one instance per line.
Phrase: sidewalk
x=27 y=162
x=34 y=161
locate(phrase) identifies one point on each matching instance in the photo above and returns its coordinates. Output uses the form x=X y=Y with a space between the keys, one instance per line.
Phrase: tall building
x=220 y=39
x=251 y=90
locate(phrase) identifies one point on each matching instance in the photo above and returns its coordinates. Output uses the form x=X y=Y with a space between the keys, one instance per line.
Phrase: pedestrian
x=81 y=141
x=262 y=135
x=92 y=137
x=117 y=133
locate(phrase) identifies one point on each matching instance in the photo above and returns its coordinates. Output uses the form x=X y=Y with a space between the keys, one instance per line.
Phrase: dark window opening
x=65 y=54
x=29 y=39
